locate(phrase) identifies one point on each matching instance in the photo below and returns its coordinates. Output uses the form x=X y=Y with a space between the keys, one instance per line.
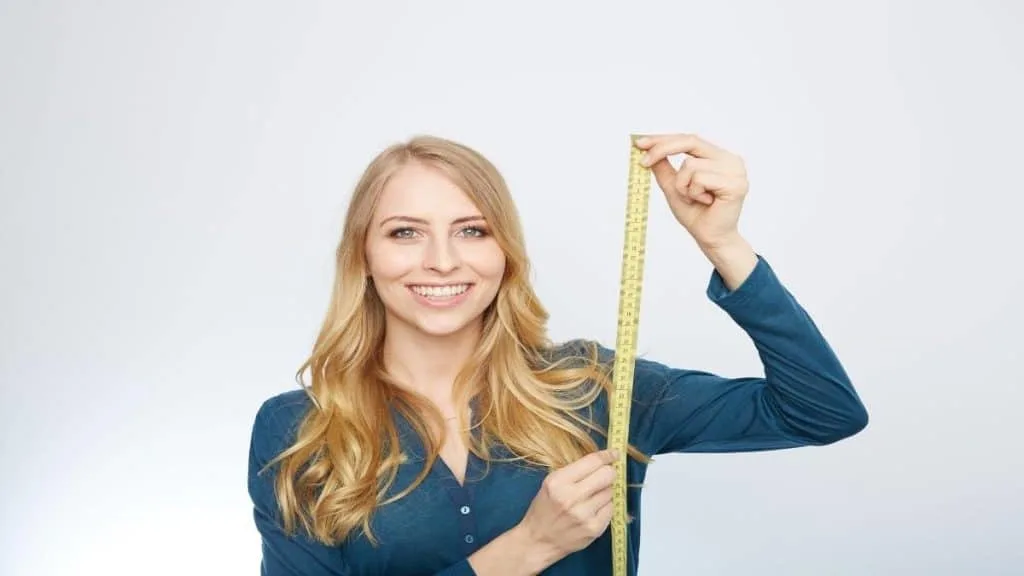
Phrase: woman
x=442 y=433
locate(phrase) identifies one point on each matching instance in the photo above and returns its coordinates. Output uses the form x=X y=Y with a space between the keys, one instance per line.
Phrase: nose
x=441 y=255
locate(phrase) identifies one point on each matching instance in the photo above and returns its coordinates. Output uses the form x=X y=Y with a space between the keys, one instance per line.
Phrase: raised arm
x=804 y=398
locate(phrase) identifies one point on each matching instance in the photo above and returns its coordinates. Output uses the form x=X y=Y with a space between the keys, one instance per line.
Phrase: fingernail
x=645 y=159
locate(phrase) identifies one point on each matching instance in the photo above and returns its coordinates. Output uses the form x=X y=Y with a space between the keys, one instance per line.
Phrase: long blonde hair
x=529 y=394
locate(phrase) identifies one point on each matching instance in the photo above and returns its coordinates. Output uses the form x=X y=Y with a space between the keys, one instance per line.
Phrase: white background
x=173 y=177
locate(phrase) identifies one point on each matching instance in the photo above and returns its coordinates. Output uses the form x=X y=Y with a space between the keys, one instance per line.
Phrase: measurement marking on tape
x=628 y=319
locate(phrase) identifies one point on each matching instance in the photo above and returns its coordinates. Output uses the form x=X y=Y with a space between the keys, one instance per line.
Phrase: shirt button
x=469 y=538
x=464 y=510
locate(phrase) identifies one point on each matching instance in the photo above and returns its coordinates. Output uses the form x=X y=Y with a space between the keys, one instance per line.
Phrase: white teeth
x=440 y=291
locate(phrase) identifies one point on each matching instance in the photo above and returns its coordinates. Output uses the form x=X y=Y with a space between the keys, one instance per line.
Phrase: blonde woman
x=442 y=432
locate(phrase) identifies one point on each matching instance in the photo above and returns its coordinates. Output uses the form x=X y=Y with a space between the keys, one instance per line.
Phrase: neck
x=428 y=364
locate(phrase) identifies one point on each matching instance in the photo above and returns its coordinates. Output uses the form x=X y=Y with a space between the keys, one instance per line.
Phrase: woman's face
x=430 y=253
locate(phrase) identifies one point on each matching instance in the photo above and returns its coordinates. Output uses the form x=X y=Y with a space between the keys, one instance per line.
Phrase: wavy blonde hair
x=529 y=394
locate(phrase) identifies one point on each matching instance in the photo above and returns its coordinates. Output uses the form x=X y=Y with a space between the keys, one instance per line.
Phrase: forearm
x=512 y=554
x=810 y=391
x=734 y=259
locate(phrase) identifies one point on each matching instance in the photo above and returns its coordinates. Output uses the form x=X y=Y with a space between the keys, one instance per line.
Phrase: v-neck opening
x=440 y=468
x=450 y=474
x=468 y=462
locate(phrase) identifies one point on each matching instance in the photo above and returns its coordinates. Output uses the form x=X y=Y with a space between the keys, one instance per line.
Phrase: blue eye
x=402 y=233
x=474 y=231
x=406 y=233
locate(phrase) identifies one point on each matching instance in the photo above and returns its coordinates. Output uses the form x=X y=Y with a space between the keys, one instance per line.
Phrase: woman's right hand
x=572 y=508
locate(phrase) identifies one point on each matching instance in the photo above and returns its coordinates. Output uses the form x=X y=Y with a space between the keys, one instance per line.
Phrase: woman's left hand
x=706 y=194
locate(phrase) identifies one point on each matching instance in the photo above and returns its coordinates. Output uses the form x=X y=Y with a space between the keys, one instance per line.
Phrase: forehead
x=424 y=192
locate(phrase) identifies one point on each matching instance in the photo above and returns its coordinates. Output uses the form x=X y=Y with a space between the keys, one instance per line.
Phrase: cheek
x=488 y=261
x=387 y=263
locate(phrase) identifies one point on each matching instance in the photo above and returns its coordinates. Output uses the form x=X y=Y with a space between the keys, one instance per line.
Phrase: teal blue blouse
x=804 y=399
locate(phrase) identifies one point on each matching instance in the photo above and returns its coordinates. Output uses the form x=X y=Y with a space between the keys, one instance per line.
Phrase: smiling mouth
x=434 y=292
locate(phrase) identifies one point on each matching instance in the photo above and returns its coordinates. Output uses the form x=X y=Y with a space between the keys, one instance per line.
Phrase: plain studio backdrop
x=174 y=176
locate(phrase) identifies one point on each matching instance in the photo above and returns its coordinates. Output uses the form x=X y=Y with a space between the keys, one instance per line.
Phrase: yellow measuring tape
x=625 y=342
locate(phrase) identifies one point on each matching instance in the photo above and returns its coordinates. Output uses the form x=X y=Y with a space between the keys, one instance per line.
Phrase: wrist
x=722 y=244
x=514 y=553
x=536 y=554
x=733 y=257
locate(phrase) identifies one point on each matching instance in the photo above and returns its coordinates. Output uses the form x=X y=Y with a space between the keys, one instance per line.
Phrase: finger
x=716 y=184
x=586 y=465
x=602 y=517
x=691 y=166
x=684 y=186
x=663 y=146
x=600 y=499
x=664 y=174
x=598 y=480
x=705 y=165
x=696 y=193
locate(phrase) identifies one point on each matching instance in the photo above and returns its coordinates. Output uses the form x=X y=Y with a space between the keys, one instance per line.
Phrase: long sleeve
x=804 y=398
x=296 y=555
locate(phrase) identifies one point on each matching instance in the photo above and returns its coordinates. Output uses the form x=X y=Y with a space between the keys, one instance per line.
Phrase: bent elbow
x=854 y=419
x=857 y=420
x=822 y=412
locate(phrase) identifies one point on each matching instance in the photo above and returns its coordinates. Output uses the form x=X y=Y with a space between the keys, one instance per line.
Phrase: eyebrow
x=460 y=220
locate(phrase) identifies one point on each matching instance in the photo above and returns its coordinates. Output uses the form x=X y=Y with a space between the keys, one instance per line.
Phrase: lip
x=443 y=303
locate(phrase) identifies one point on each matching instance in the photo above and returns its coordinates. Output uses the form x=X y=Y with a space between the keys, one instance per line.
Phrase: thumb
x=664 y=173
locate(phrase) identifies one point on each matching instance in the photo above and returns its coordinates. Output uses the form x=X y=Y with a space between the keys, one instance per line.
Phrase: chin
x=444 y=326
